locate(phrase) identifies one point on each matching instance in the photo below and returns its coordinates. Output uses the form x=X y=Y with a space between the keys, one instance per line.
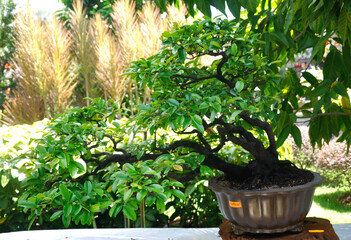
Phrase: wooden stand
x=314 y=229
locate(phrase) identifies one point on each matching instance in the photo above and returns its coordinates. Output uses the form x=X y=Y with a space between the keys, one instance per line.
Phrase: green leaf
x=295 y=132
x=149 y=200
x=197 y=123
x=346 y=55
x=280 y=38
x=65 y=192
x=178 y=194
x=173 y=102
x=67 y=209
x=127 y=194
x=129 y=167
x=105 y=204
x=234 y=115
x=160 y=205
x=215 y=44
x=343 y=22
x=289 y=17
x=190 y=189
x=5 y=179
x=66 y=129
x=204 y=105
x=66 y=220
x=41 y=149
x=283 y=136
x=239 y=85
x=234 y=7
x=333 y=64
x=181 y=55
x=56 y=215
x=234 y=49
x=217 y=107
x=95 y=208
x=102 y=123
x=220 y=5
x=204 y=170
x=166 y=34
x=340 y=89
x=129 y=212
x=72 y=169
x=204 y=7
x=161 y=197
x=115 y=210
x=122 y=176
x=310 y=78
x=99 y=191
x=141 y=195
x=320 y=44
x=28 y=204
x=144 y=107
x=76 y=209
x=88 y=187
x=321 y=89
x=156 y=188
x=250 y=5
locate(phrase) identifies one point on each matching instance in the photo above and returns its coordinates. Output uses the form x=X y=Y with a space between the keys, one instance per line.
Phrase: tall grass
x=110 y=63
x=138 y=35
x=52 y=62
x=42 y=68
x=83 y=46
x=60 y=72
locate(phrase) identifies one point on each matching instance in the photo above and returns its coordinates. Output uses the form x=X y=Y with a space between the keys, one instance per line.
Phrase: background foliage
x=6 y=48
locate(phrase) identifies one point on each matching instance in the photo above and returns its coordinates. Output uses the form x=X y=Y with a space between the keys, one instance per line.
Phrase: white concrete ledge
x=342 y=230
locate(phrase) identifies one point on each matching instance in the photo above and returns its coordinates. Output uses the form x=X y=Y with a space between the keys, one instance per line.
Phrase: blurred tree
x=6 y=47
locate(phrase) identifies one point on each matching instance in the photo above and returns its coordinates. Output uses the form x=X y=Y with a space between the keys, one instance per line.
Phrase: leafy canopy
x=288 y=28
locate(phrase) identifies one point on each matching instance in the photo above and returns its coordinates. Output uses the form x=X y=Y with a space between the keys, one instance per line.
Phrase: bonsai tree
x=221 y=99
x=212 y=90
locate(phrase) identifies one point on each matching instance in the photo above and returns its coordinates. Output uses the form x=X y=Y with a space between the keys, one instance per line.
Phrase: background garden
x=73 y=65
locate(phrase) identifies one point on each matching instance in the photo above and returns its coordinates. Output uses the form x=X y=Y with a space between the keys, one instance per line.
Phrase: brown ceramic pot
x=266 y=211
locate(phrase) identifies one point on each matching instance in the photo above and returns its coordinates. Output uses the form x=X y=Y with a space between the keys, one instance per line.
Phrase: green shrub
x=14 y=141
x=333 y=161
x=78 y=171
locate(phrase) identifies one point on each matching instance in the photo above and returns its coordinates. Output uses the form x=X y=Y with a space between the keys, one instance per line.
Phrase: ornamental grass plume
x=109 y=61
x=61 y=73
x=138 y=36
x=83 y=47
x=28 y=103
x=43 y=70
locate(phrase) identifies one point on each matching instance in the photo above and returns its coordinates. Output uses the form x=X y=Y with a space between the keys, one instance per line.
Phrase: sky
x=44 y=7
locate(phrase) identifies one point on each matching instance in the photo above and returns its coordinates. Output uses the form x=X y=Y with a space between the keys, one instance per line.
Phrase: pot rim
x=317 y=181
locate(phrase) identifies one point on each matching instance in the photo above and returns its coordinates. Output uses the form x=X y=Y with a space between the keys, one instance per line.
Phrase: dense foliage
x=334 y=164
x=89 y=162
x=14 y=141
x=221 y=99
x=290 y=27
x=76 y=175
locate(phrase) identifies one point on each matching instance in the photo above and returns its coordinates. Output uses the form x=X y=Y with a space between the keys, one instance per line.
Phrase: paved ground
x=343 y=231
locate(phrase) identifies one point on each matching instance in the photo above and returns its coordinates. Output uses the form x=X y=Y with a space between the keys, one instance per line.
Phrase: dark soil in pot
x=283 y=176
